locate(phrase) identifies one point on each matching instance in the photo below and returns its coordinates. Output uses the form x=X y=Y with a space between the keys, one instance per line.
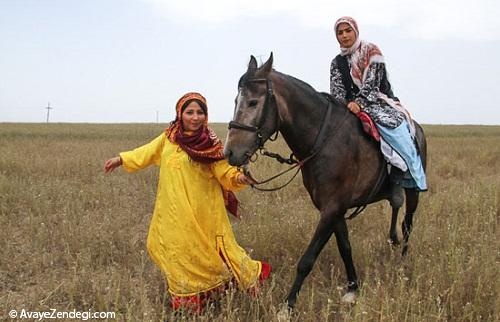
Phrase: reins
x=298 y=165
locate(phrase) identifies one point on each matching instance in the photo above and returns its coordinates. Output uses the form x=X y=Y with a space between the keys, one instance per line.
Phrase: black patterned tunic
x=368 y=96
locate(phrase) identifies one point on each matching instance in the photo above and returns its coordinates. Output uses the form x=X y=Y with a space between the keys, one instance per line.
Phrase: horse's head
x=255 y=114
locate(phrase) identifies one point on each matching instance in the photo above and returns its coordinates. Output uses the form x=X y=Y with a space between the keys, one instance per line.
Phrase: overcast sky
x=127 y=60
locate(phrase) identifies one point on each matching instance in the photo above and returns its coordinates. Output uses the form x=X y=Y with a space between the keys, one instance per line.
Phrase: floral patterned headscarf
x=352 y=23
x=362 y=53
x=203 y=145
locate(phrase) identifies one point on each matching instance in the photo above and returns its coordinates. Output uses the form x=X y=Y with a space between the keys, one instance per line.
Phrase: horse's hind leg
x=411 y=207
x=321 y=236
x=393 y=234
x=396 y=200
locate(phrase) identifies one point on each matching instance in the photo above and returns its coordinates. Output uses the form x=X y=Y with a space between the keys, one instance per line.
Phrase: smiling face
x=193 y=117
x=346 y=35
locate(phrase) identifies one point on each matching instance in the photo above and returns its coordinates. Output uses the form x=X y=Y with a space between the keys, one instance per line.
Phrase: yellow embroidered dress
x=190 y=237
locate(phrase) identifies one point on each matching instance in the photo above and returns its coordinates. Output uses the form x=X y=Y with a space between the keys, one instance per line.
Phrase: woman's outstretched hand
x=112 y=164
x=244 y=179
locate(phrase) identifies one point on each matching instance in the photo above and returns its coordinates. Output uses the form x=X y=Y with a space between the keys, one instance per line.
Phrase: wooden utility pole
x=48 y=111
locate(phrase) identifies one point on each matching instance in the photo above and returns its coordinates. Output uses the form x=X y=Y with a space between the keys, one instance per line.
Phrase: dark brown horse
x=343 y=167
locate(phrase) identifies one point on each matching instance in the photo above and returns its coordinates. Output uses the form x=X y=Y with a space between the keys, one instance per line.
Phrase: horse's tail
x=421 y=143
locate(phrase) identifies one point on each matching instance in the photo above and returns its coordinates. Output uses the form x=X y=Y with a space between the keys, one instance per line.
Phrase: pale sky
x=119 y=61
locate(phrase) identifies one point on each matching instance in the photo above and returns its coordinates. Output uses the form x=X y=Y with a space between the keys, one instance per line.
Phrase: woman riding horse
x=341 y=167
x=358 y=78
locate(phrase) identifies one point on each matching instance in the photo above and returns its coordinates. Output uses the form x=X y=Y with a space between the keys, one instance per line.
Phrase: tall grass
x=74 y=238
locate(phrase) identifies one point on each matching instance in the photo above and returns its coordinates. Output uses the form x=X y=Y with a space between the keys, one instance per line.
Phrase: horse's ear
x=252 y=65
x=268 y=65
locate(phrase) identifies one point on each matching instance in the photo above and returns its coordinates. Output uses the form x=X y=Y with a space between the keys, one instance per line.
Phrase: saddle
x=368 y=125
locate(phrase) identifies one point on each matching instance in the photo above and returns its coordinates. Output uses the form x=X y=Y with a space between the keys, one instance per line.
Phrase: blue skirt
x=400 y=140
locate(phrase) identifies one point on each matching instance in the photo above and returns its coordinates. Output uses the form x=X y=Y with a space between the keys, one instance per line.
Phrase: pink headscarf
x=362 y=53
x=352 y=23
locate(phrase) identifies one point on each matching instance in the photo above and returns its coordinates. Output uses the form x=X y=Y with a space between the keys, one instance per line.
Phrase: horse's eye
x=252 y=103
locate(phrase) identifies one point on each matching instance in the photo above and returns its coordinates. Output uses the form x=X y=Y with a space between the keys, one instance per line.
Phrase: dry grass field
x=73 y=238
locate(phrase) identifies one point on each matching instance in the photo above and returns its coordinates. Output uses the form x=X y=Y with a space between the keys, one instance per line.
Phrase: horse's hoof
x=285 y=313
x=393 y=241
x=349 y=298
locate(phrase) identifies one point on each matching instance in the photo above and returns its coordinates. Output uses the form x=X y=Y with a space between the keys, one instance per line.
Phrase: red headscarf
x=202 y=145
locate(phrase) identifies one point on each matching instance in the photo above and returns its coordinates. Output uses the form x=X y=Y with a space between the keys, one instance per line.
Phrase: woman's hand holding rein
x=244 y=179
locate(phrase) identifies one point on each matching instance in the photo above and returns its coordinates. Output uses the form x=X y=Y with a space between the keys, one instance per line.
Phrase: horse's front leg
x=321 y=236
x=344 y=246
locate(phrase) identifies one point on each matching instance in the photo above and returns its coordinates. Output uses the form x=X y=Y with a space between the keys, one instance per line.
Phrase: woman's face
x=346 y=36
x=193 y=117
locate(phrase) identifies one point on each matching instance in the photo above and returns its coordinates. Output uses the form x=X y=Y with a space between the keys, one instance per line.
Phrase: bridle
x=270 y=99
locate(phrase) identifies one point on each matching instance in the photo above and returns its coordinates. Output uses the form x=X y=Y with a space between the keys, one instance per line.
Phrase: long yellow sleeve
x=143 y=156
x=227 y=175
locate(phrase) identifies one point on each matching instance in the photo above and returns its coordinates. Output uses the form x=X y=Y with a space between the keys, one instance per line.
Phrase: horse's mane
x=300 y=84
x=297 y=83
x=305 y=87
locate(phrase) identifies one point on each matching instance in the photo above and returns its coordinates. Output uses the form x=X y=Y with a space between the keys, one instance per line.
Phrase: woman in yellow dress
x=190 y=237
